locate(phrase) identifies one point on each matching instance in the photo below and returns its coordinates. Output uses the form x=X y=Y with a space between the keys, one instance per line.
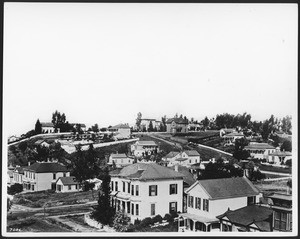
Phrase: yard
x=274 y=186
x=275 y=169
x=38 y=199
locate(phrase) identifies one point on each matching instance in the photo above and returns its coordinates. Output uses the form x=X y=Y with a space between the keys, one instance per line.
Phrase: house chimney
x=28 y=163
x=176 y=167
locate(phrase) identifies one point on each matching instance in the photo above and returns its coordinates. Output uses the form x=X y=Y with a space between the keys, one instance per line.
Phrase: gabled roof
x=147 y=171
x=121 y=126
x=47 y=124
x=47 y=167
x=148 y=143
x=191 y=152
x=40 y=141
x=281 y=153
x=188 y=177
x=177 y=121
x=172 y=154
x=20 y=170
x=227 y=187
x=259 y=146
x=259 y=215
x=68 y=180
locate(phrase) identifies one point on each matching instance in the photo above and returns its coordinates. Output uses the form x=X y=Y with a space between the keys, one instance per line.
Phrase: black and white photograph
x=149 y=119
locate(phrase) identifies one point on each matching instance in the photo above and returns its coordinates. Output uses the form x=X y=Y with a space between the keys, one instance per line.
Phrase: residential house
x=226 y=131
x=141 y=148
x=230 y=138
x=146 y=190
x=120 y=160
x=18 y=175
x=121 y=131
x=177 y=125
x=253 y=218
x=43 y=175
x=195 y=127
x=12 y=139
x=48 y=127
x=146 y=122
x=281 y=204
x=185 y=158
x=207 y=199
x=10 y=177
x=67 y=184
x=82 y=126
x=41 y=143
x=279 y=157
x=96 y=181
x=260 y=150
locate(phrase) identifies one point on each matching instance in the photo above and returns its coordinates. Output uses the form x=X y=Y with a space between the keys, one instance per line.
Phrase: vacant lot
x=38 y=199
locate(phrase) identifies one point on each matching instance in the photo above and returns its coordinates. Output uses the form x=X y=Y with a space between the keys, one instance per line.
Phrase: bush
x=137 y=222
x=157 y=218
x=146 y=222
x=289 y=163
x=13 y=189
x=168 y=217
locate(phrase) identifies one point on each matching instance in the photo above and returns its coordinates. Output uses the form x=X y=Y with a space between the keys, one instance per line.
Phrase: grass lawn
x=78 y=219
x=37 y=199
x=275 y=169
x=207 y=154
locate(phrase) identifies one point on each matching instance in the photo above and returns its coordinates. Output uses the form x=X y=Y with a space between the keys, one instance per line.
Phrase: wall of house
x=65 y=188
x=191 y=159
x=125 y=132
x=144 y=201
x=17 y=178
x=44 y=180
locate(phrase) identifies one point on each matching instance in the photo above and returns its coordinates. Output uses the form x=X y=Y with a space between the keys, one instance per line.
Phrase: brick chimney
x=176 y=167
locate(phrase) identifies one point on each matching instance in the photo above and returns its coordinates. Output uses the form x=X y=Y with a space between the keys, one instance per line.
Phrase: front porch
x=193 y=223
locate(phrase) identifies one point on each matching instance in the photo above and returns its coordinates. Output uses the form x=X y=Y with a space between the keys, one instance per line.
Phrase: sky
x=105 y=62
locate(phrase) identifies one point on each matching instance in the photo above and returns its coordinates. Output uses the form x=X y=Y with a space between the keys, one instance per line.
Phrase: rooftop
x=172 y=154
x=191 y=152
x=227 y=187
x=118 y=155
x=47 y=124
x=147 y=171
x=121 y=126
x=177 y=121
x=68 y=180
x=188 y=177
x=47 y=167
x=146 y=142
x=250 y=214
x=281 y=153
x=259 y=146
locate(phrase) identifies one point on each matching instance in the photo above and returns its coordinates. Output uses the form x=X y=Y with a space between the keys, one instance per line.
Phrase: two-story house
x=231 y=137
x=177 y=125
x=170 y=158
x=146 y=190
x=43 y=175
x=260 y=150
x=18 y=174
x=141 y=148
x=278 y=157
x=48 y=127
x=207 y=199
x=120 y=160
x=281 y=205
x=185 y=158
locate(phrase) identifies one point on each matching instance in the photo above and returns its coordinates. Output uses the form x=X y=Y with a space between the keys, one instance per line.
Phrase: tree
x=150 y=127
x=104 y=212
x=121 y=221
x=286 y=146
x=265 y=130
x=205 y=122
x=138 y=120
x=15 y=188
x=287 y=124
x=95 y=128
x=9 y=204
x=239 y=152
x=38 y=127
x=23 y=146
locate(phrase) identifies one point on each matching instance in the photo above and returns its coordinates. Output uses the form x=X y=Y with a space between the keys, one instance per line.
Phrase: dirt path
x=177 y=145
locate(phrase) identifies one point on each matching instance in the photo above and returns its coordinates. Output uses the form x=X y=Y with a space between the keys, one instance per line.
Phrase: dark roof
x=281 y=153
x=191 y=152
x=177 y=121
x=228 y=187
x=47 y=167
x=146 y=142
x=47 y=124
x=68 y=180
x=188 y=177
x=147 y=171
x=20 y=170
x=250 y=214
x=172 y=154
x=118 y=155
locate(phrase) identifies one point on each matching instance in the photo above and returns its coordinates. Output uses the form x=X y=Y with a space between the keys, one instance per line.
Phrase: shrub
x=157 y=218
x=289 y=163
x=146 y=222
x=13 y=189
x=168 y=217
x=137 y=222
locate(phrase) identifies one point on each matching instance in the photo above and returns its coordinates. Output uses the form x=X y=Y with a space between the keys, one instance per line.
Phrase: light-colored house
x=48 y=127
x=225 y=131
x=18 y=175
x=146 y=190
x=96 y=181
x=41 y=143
x=146 y=122
x=141 y=148
x=12 y=139
x=43 y=175
x=82 y=126
x=177 y=125
x=185 y=158
x=67 y=184
x=120 y=160
x=207 y=199
x=253 y=218
x=231 y=137
x=279 y=157
x=260 y=150
x=121 y=131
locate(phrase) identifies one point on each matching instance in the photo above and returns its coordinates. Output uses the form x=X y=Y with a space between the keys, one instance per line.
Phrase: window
x=137 y=209
x=32 y=186
x=250 y=200
x=54 y=176
x=153 y=190
x=152 y=209
x=116 y=186
x=33 y=175
x=76 y=186
x=64 y=174
x=136 y=190
x=123 y=186
x=198 y=203
x=173 y=189
x=132 y=189
x=128 y=187
x=191 y=201
x=69 y=187
x=112 y=185
x=280 y=220
x=128 y=207
x=205 y=205
x=173 y=207
x=132 y=209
